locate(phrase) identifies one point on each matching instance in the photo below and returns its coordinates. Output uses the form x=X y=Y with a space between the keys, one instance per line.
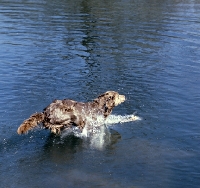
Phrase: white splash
x=97 y=131
x=114 y=119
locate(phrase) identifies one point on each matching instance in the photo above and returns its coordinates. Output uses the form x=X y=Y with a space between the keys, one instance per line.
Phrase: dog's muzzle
x=122 y=98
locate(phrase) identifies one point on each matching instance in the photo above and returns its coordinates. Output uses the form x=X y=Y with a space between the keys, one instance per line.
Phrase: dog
x=63 y=114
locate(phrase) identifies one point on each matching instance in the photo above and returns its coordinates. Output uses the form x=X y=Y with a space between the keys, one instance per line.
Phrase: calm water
x=146 y=50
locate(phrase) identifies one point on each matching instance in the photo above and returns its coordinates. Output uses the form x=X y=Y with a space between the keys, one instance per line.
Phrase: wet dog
x=63 y=114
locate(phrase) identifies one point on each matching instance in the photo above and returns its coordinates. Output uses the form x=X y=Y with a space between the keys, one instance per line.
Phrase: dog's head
x=108 y=100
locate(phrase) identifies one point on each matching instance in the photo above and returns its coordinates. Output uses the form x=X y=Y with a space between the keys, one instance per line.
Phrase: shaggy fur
x=62 y=114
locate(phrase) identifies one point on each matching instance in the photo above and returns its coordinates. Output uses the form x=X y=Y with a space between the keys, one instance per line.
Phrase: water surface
x=146 y=50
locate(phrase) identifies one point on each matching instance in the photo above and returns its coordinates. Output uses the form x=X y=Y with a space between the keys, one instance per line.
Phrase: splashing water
x=113 y=119
x=97 y=132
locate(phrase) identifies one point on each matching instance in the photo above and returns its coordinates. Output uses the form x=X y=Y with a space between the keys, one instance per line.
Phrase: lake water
x=78 y=49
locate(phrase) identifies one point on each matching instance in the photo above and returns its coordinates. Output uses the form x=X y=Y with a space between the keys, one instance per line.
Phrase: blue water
x=146 y=50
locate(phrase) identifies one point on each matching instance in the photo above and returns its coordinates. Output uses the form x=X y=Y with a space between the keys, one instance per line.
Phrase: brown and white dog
x=62 y=114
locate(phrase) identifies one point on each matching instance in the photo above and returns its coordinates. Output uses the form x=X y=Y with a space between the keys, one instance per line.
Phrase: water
x=146 y=50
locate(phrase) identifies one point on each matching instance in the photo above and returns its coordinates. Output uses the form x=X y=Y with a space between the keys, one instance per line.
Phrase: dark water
x=147 y=50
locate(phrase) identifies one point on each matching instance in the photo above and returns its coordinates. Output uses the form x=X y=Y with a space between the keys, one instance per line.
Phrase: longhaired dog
x=63 y=114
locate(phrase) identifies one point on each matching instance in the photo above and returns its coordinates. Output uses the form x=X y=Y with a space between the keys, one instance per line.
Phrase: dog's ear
x=109 y=105
x=107 y=110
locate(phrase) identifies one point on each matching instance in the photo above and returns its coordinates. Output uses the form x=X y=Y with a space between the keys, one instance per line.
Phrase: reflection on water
x=146 y=50
x=62 y=149
x=67 y=145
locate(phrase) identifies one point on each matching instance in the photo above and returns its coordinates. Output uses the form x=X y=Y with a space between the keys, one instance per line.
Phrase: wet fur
x=62 y=114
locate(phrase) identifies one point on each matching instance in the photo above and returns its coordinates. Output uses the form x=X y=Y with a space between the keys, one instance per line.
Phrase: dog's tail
x=30 y=123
